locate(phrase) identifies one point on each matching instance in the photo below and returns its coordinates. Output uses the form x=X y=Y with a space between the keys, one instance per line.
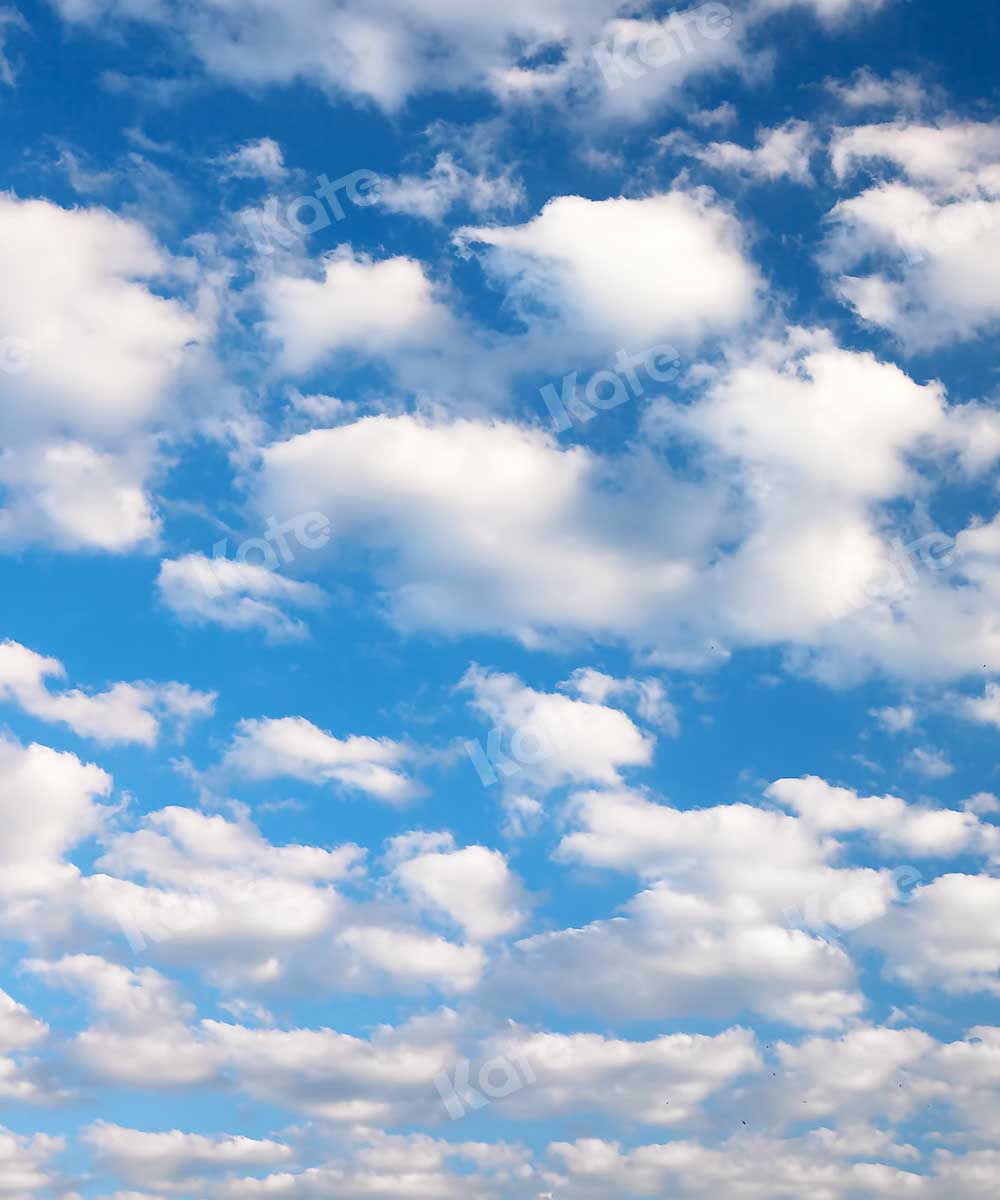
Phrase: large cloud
x=627 y=272
x=355 y=303
x=126 y=712
x=441 y=499
x=292 y=746
x=933 y=234
x=91 y=359
x=390 y=50
x=821 y=543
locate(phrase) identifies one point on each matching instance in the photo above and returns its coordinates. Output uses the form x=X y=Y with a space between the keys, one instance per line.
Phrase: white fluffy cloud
x=166 y=1160
x=126 y=712
x=75 y=497
x=21 y=1032
x=935 y=233
x=780 y=153
x=678 y=954
x=627 y=273
x=900 y=92
x=442 y=497
x=548 y=739
x=260 y=159
x=82 y=383
x=949 y=155
x=822 y=437
x=214 y=891
x=473 y=887
x=385 y=1077
x=446 y=185
x=660 y=1082
x=295 y=748
x=49 y=803
x=26 y=1167
x=945 y=937
x=374 y=1163
x=356 y=303
x=812 y=443
x=758 y=1166
x=649 y=696
x=191 y=889
x=385 y=52
x=108 y=368
x=236 y=595
x=391 y=50
x=897 y=827
x=831 y=11
x=984 y=709
x=733 y=888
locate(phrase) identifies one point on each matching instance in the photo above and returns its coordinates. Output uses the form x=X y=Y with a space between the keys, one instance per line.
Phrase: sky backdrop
x=500 y=608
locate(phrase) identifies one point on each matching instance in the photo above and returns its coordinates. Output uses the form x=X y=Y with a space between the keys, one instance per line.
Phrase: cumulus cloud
x=677 y=955
x=49 y=802
x=75 y=497
x=897 y=827
x=648 y=696
x=439 y=497
x=105 y=257
x=781 y=153
x=446 y=185
x=26 y=1168
x=901 y=91
x=356 y=303
x=984 y=709
x=664 y=1081
x=945 y=936
x=384 y=1077
x=931 y=224
x=293 y=747
x=168 y=1160
x=203 y=890
x=236 y=595
x=895 y=718
x=757 y=1165
x=22 y=1081
x=126 y=712
x=730 y=888
x=82 y=384
x=832 y=12
x=799 y=532
x=393 y=51
x=548 y=739
x=626 y=272
x=474 y=887
x=260 y=159
x=373 y=1162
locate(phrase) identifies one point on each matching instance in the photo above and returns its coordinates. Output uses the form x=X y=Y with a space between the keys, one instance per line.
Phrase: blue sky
x=500 y=672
